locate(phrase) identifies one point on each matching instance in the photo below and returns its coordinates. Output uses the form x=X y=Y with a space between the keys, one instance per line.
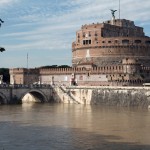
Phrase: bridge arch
x=3 y=99
x=33 y=95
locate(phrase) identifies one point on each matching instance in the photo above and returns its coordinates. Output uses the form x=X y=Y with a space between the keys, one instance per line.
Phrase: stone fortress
x=112 y=53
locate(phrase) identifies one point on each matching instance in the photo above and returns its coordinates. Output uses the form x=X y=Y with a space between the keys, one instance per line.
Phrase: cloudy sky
x=45 y=29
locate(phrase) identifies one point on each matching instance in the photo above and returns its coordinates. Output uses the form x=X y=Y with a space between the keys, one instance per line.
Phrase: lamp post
x=1 y=48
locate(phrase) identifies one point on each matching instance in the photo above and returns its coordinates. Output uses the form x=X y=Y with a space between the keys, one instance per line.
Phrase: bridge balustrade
x=25 y=86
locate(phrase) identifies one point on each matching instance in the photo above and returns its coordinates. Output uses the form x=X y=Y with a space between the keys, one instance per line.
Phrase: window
x=83 y=42
x=86 y=42
x=88 y=74
x=125 y=41
x=137 y=41
x=89 y=34
x=116 y=41
x=147 y=42
x=78 y=35
x=83 y=34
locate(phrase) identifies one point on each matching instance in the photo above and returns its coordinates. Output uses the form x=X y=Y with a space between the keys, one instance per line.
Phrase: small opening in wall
x=137 y=41
x=125 y=41
x=147 y=42
x=116 y=41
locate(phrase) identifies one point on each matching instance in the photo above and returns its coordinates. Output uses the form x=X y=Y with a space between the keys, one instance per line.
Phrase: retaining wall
x=118 y=96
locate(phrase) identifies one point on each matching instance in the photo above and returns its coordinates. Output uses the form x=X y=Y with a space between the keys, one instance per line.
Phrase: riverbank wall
x=117 y=96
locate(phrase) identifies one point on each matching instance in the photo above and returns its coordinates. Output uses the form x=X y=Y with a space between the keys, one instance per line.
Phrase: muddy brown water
x=72 y=127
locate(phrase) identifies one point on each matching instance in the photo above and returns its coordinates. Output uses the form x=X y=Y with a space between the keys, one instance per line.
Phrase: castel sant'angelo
x=111 y=53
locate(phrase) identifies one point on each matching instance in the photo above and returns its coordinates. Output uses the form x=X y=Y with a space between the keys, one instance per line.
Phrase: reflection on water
x=71 y=127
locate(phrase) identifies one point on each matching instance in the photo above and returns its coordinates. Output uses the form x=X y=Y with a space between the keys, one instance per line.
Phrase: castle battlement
x=59 y=71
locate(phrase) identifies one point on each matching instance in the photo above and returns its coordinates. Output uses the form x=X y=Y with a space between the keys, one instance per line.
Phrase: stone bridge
x=18 y=93
x=119 y=96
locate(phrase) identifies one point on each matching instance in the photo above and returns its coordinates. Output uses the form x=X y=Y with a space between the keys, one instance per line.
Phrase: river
x=73 y=127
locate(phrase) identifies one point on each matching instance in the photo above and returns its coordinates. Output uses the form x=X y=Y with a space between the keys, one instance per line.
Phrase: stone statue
x=1 y=21
x=113 y=12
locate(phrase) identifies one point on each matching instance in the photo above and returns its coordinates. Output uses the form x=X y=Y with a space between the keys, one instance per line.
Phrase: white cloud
x=53 y=25
x=6 y=2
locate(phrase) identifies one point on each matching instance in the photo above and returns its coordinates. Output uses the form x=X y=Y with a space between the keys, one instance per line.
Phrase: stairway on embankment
x=61 y=94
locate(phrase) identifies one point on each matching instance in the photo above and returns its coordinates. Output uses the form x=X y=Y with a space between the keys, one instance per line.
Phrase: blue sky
x=45 y=29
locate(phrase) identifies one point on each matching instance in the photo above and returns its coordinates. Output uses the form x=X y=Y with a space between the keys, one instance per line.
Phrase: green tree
x=64 y=66
x=5 y=73
x=55 y=66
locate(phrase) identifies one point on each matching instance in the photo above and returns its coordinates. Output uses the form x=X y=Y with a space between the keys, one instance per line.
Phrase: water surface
x=72 y=127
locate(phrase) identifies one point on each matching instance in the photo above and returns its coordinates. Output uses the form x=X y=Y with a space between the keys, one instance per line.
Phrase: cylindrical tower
x=107 y=44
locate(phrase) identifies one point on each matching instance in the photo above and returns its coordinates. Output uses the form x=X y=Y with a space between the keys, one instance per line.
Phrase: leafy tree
x=2 y=49
x=64 y=66
x=5 y=73
x=55 y=66
x=46 y=67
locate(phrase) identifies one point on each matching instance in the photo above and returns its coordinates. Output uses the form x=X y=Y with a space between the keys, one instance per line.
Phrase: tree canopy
x=5 y=73
x=55 y=66
x=2 y=49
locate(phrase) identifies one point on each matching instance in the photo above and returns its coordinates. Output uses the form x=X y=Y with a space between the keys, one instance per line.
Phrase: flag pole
x=27 y=69
x=119 y=9
x=27 y=60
